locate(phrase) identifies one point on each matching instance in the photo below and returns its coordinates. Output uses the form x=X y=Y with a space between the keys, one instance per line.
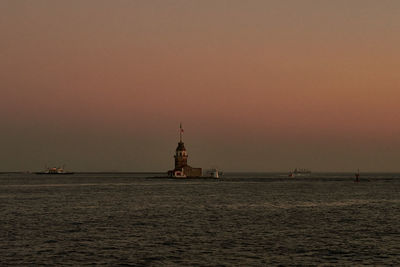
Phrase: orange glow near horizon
x=255 y=79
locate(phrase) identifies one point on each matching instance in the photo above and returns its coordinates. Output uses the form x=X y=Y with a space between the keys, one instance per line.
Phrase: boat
x=300 y=172
x=214 y=173
x=55 y=170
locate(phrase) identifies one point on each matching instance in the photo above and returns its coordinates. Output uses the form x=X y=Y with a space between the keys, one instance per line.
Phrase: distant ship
x=299 y=172
x=55 y=170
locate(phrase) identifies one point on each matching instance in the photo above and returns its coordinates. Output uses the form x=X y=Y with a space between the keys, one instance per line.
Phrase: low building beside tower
x=182 y=169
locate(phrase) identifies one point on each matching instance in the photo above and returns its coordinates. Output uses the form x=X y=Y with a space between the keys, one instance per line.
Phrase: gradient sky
x=258 y=85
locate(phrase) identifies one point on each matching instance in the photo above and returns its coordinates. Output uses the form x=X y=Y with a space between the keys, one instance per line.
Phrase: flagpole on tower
x=180 y=132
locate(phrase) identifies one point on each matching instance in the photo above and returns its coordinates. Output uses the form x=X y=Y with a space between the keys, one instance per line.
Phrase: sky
x=258 y=85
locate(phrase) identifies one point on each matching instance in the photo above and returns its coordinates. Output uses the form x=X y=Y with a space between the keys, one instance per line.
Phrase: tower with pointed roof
x=180 y=153
x=182 y=169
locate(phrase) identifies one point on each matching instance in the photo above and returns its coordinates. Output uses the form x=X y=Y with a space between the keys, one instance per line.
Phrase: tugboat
x=54 y=170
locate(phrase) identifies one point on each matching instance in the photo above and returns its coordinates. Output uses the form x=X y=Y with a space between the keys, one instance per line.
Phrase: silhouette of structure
x=182 y=169
x=357 y=175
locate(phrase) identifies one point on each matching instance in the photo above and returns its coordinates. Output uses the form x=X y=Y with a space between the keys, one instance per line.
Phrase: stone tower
x=182 y=169
x=180 y=156
x=181 y=153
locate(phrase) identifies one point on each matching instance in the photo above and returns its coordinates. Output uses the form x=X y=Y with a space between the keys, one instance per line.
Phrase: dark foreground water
x=242 y=219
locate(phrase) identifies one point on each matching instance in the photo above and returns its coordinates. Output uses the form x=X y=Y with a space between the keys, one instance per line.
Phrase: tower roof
x=181 y=147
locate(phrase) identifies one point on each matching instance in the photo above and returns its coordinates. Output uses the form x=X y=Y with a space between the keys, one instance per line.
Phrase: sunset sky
x=102 y=85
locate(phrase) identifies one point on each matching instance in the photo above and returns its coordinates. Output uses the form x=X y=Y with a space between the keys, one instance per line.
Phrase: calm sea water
x=242 y=219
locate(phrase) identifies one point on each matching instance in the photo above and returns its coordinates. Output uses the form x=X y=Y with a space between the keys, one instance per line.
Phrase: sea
x=241 y=219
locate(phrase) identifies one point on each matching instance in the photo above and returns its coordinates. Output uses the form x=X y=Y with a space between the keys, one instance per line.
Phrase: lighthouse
x=180 y=153
x=182 y=169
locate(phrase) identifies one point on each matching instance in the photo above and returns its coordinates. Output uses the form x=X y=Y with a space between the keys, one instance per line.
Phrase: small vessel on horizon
x=214 y=173
x=300 y=172
x=55 y=170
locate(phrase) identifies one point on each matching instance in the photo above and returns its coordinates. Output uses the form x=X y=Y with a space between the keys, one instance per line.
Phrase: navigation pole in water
x=357 y=176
